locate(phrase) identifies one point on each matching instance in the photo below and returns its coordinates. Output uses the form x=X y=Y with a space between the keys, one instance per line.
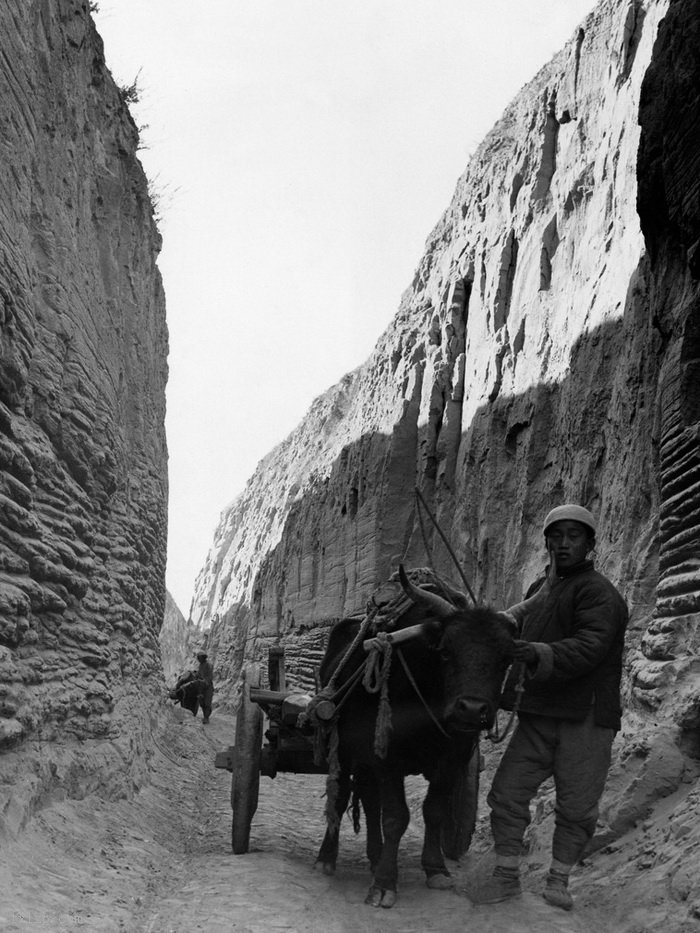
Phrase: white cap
x=573 y=513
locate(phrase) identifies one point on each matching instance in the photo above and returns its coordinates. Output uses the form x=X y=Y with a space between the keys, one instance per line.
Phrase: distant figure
x=205 y=676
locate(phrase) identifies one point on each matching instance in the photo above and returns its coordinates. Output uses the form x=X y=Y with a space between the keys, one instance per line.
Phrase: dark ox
x=457 y=659
x=186 y=692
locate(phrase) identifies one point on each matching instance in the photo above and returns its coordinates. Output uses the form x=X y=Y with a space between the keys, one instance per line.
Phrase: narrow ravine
x=274 y=886
x=162 y=862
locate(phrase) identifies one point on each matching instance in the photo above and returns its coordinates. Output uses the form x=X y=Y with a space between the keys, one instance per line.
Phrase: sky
x=299 y=153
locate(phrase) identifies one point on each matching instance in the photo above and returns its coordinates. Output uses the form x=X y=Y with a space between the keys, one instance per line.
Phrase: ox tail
x=354 y=808
x=332 y=818
x=332 y=781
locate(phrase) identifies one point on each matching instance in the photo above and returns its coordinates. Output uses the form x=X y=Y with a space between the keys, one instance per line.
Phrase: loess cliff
x=547 y=350
x=83 y=459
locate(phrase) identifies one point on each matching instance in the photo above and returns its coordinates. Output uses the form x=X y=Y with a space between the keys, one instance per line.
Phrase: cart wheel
x=245 y=779
x=457 y=834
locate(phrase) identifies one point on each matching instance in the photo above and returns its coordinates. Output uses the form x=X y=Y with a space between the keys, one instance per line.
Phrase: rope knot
x=376 y=680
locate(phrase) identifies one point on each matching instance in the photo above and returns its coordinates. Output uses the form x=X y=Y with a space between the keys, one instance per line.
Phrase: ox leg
x=435 y=812
x=328 y=853
x=395 y=819
x=368 y=791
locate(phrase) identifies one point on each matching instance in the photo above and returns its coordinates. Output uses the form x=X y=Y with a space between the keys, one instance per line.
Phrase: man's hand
x=525 y=652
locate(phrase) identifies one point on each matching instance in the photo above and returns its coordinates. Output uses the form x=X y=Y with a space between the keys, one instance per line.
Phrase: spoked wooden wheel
x=459 y=829
x=245 y=781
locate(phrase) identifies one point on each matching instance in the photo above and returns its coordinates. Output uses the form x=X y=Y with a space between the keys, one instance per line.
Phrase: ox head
x=475 y=647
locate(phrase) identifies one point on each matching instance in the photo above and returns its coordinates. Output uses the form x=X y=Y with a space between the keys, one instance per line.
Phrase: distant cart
x=289 y=748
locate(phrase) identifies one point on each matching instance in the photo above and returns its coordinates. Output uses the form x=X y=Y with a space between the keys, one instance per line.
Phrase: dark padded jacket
x=205 y=673
x=579 y=638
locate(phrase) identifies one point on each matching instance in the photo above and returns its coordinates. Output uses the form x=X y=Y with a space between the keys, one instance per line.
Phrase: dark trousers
x=205 y=701
x=577 y=755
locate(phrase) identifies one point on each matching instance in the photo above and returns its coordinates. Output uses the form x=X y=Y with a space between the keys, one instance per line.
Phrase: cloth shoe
x=503 y=884
x=556 y=891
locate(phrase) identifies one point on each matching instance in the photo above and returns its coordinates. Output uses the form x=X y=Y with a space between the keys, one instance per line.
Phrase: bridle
x=374 y=673
x=374 y=670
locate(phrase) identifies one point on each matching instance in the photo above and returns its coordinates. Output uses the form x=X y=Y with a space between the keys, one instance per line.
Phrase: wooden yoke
x=395 y=638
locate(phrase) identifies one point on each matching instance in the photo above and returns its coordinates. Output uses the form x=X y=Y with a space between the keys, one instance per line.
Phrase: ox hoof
x=328 y=868
x=380 y=897
x=440 y=882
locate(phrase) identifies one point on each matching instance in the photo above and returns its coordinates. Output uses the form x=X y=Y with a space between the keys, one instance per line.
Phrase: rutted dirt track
x=163 y=862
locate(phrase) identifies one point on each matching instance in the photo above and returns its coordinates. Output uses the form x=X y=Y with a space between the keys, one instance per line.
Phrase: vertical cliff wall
x=669 y=208
x=545 y=351
x=83 y=462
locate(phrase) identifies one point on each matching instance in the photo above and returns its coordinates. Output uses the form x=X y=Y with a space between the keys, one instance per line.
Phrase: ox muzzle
x=469 y=714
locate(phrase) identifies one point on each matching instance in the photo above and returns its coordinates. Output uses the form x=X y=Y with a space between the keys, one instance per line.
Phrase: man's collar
x=566 y=572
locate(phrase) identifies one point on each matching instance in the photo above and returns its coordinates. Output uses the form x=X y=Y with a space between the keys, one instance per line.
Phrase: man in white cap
x=569 y=712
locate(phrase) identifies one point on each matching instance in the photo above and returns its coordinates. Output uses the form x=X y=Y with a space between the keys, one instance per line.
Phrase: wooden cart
x=289 y=747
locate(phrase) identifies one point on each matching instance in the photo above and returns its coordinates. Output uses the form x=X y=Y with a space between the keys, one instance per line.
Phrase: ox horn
x=439 y=606
x=520 y=611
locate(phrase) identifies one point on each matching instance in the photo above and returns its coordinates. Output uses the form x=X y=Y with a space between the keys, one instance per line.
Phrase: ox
x=442 y=690
x=186 y=691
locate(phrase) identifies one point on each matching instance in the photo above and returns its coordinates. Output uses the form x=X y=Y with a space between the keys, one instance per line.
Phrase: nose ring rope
x=492 y=735
x=413 y=683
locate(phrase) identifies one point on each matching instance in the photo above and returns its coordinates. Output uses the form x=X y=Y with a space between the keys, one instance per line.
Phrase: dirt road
x=162 y=862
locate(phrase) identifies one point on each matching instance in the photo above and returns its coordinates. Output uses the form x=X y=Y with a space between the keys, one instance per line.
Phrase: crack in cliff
x=631 y=35
x=581 y=35
x=449 y=429
x=506 y=278
x=550 y=244
x=548 y=151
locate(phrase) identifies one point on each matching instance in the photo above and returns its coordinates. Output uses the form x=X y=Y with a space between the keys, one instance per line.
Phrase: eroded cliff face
x=83 y=461
x=669 y=208
x=547 y=350
x=544 y=352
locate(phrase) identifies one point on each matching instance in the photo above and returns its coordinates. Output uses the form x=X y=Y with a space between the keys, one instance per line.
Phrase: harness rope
x=359 y=637
x=493 y=734
x=330 y=692
x=374 y=672
x=326 y=740
x=376 y=680
x=428 y=549
x=421 y=501
x=413 y=683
